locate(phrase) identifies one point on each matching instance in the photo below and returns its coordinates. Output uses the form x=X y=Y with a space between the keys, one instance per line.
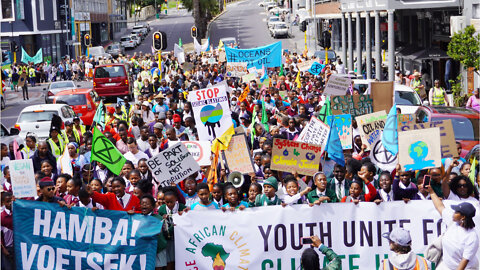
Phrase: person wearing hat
x=437 y=95
x=109 y=117
x=460 y=243
x=417 y=84
x=78 y=127
x=160 y=106
x=147 y=113
x=269 y=196
x=70 y=133
x=179 y=129
x=47 y=192
x=56 y=144
x=119 y=113
x=401 y=256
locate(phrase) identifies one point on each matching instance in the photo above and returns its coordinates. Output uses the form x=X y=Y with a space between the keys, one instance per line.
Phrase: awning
x=427 y=54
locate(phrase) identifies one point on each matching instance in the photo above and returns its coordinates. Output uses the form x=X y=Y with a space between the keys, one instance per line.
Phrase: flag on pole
x=297 y=80
x=473 y=170
x=334 y=145
x=265 y=75
x=223 y=141
x=220 y=44
x=325 y=111
x=17 y=154
x=104 y=151
x=99 y=116
x=390 y=132
x=180 y=42
x=282 y=72
x=264 y=116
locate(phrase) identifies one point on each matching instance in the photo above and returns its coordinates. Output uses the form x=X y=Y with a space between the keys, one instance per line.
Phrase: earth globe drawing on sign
x=418 y=151
x=210 y=117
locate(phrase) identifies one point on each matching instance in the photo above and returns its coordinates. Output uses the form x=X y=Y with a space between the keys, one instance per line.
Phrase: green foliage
x=465 y=48
x=459 y=100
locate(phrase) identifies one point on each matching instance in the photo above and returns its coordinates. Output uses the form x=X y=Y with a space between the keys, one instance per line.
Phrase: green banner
x=104 y=151
x=37 y=59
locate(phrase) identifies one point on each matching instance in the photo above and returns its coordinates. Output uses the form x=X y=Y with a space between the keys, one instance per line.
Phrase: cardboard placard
x=405 y=119
x=354 y=105
x=381 y=157
x=447 y=136
x=200 y=150
x=172 y=165
x=305 y=65
x=290 y=156
x=222 y=57
x=22 y=80
x=382 y=95
x=370 y=127
x=249 y=77
x=235 y=69
x=315 y=132
x=238 y=155
x=23 y=178
x=187 y=66
x=343 y=126
x=420 y=149
x=337 y=85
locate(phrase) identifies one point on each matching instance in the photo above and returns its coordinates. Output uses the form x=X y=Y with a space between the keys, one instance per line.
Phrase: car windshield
x=321 y=55
x=28 y=117
x=62 y=85
x=274 y=19
x=72 y=100
x=280 y=26
x=114 y=47
x=407 y=98
x=464 y=128
x=109 y=72
x=125 y=39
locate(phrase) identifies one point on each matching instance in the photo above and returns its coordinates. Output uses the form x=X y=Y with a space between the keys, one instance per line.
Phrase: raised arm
x=437 y=202
x=446 y=180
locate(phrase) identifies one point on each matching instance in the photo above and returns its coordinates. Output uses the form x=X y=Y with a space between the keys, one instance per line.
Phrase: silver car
x=115 y=49
x=55 y=87
x=128 y=42
x=279 y=29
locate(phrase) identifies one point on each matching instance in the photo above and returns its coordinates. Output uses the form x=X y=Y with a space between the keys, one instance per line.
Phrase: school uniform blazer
x=400 y=193
x=312 y=196
x=110 y=202
x=346 y=185
x=162 y=210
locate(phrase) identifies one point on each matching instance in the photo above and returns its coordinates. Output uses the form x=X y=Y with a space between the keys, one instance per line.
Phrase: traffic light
x=87 y=41
x=194 y=32
x=303 y=26
x=326 y=37
x=159 y=40
x=13 y=46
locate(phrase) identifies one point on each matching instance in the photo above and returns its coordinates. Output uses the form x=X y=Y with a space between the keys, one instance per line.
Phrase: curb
x=214 y=19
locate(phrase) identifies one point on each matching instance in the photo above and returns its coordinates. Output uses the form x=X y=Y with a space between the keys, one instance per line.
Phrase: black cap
x=76 y=118
x=465 y=208
x=68 y=122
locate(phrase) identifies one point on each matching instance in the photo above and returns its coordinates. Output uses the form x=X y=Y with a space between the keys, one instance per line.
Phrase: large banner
x=48 y=236
x=269 y=237
x=268 y=56
x=212 y=111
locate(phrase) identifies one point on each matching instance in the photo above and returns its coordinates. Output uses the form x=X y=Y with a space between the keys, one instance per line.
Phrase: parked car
x=407 y=100
x=115 y=49
x=139 y=33
x=54 y=87
x=128 y=42
x=136 y=38
x=265 y=3
x=278 y=10
x=465 y=123
x=362 y=85
x=229 y=41
x=270 y=5
x=271 y=20
x=320 y=54
x=38 y=118
x=83 y=102
x=142 y=28
x=111 y=80
x=279 y=29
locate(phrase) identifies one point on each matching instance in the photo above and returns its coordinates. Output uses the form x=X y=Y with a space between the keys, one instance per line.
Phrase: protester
x=310 y=258
x=401 y=255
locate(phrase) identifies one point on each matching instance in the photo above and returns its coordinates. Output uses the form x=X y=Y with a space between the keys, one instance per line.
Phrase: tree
x=465 y=48
x=203 y=12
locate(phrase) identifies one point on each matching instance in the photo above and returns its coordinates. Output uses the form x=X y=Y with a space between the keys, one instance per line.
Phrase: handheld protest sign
x=447 y=137
x=235 y=69
x=337 y=85
x=343 y=126
x=173 y=165
x=200 y=151
x=381 y=157
x=305 y=65
x=382 y=94
x=420 y=149
x=290 y=156
x=370 y=126
x=315 y=132
x=354 y=105
x=238 y=155
x=22 y=80
x=211 y=109
x=22 y=178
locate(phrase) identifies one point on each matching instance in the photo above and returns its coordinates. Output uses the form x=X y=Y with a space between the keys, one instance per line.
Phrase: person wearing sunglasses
x=47 y=192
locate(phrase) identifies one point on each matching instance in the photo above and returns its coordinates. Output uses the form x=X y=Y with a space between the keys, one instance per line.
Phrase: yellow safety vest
x=57 y=151
x=420 y=264
x=136 y=88
x=438 y=96
x=75 y=133
x=416 y=83
x=82 y=129
x=31 y=72
x=26 y=152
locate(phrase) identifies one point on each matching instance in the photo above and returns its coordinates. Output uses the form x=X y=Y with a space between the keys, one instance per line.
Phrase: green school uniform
x=162 y=210
x=312 y=196
x=263 y=200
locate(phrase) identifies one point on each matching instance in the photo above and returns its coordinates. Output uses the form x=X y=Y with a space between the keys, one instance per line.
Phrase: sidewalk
x=34 y=93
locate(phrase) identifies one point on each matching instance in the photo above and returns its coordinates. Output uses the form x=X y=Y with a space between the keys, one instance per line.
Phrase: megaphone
x=236 y=178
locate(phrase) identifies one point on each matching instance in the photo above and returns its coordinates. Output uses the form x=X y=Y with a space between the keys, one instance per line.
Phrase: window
x=72 y=100
x=110 y=72
x=7 y=9
x=29 y=117
x=464 y=128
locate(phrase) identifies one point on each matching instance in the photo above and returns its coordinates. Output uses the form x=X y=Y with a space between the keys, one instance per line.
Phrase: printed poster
x=290 y=156
x=212 y=111
x=235 y=69
x=238 y=155
x=420 y=149
x=343 y=126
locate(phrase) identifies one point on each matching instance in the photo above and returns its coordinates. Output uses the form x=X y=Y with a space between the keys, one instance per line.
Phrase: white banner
x=269 y=237
x=173 y=165
x=212 y=111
